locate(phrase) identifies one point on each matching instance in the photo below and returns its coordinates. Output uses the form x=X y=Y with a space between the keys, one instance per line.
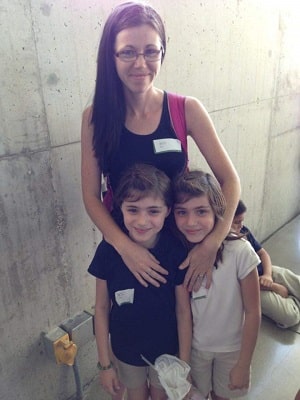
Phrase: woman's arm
x=108 y=376
x=184 y=322
x=201 y=129
x=240 y=373
x=140 y=261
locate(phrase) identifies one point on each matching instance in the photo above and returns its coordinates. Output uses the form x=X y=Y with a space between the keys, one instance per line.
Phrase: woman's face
x=138 y=75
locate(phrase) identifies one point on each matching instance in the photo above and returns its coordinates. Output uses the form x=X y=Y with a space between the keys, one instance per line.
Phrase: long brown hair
x=109 y=107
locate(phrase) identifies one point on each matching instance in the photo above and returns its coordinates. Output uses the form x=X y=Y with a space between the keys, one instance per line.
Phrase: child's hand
x=239 y=377
x=109 y=381
x=265 y=281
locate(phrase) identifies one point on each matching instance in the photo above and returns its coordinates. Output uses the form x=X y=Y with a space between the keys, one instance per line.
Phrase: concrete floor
x=276 y=362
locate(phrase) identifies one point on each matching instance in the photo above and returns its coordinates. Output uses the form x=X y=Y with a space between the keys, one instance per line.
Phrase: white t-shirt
x=218 y=313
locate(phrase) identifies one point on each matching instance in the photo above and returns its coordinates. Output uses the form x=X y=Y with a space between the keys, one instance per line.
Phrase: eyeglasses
x=131 y=55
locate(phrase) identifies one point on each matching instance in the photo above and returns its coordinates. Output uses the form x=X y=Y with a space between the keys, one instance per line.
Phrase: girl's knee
x=214 y=396
x=284 y=311
x=289 y=320
x=157 y=393
x=140 y=393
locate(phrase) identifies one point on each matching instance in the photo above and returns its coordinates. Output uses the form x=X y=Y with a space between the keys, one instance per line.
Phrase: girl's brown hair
x=196 y=183
x=140 y=181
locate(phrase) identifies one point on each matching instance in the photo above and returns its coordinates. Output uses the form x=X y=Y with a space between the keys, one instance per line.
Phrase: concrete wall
x=241 y=58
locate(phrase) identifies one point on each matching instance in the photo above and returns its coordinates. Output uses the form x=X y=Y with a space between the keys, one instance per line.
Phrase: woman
x=129 y=122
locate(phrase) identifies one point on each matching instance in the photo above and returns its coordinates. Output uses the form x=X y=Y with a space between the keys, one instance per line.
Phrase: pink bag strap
x=176 y=105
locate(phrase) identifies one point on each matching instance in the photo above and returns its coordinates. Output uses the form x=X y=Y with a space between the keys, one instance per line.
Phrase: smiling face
x=144 y=219
x=137 y=76
x=194 y=218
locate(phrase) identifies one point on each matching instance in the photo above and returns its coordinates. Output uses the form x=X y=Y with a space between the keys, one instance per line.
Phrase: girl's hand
x=109 y=381
x=200 y=261
x=265 y=281
x=239 y=377
x=144 y=266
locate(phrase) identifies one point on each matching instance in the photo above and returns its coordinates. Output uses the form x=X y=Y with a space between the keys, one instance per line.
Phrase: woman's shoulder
x=191 y=101
x=196 y=115
x=194 y=108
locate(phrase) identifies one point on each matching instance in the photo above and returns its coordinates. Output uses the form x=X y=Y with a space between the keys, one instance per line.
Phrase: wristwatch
x=104 y=367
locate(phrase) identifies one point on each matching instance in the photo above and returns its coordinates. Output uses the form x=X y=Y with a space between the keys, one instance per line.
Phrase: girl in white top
x=226 y=317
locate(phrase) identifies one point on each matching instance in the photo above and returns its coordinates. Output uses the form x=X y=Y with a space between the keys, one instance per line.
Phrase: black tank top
x=136 y=148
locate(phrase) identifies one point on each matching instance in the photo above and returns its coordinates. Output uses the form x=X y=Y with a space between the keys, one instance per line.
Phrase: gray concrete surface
x=240 y=58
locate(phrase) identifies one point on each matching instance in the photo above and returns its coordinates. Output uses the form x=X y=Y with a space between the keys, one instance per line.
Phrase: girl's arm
x=184 y=322
x=138 y=259
x=201 y=129
x=108 y=376
x=266 y=278
x=240 y=373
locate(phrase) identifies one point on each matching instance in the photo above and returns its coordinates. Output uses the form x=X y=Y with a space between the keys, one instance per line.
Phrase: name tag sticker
x=202 y=292
x=124 y=296
x=166 y=145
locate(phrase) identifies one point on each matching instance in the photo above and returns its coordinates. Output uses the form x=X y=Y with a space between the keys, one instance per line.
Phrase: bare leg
x=157 y=394
x=121 y=393
x=216 y=397
x=140 y=393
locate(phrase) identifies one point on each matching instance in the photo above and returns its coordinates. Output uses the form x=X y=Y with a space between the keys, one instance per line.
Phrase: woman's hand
x=200 y=261
x=109 y=381
x=144 y=266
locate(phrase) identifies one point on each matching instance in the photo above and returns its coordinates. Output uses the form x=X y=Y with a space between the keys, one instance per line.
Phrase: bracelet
x=104 y=367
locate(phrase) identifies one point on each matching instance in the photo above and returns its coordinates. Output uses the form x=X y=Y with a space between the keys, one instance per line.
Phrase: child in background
x=147 y=321
x=280 y=287
x=226 y=317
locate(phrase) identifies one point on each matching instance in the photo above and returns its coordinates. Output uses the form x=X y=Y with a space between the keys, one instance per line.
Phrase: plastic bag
x=173 y=373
